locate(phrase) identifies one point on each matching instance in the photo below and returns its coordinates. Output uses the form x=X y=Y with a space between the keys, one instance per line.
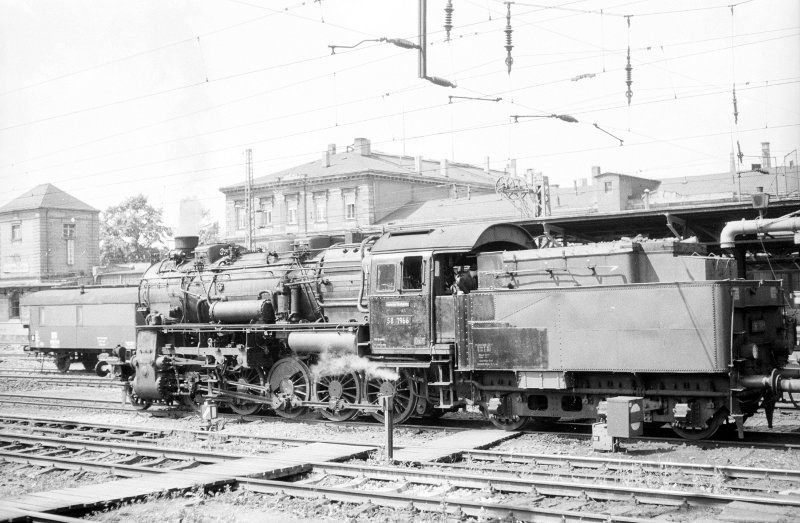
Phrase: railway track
x=789 y=439
x=483 y=483
x=61 y=379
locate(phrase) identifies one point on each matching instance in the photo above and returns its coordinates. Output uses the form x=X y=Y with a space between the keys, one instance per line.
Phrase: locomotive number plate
x=398 y=320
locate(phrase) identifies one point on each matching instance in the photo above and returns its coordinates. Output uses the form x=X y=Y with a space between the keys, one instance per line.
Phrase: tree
x=132 y=232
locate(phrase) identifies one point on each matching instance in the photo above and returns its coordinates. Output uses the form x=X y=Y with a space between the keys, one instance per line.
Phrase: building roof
x=46 y=196
x=366 y=161
x=481 y=207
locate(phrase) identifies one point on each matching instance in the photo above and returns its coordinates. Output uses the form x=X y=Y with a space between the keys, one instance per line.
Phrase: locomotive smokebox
x=186 y=244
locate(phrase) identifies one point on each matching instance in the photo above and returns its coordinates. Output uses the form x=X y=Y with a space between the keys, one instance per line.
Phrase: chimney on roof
x=765 y=156
x=330 y=152
x=362 y=146
x=443 y=168
x=418 y=165
x=595 y=171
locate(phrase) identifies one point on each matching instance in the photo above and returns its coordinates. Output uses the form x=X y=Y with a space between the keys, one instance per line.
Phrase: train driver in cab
x=466 y=280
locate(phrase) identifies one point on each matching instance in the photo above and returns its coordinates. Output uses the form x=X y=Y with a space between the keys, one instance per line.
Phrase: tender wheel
x=336 y=391
x=712 y=425
x=237 y=381
x=63 y=362
x=89 y=361
x=511 y=423
x=289 y=382
x=405 y=396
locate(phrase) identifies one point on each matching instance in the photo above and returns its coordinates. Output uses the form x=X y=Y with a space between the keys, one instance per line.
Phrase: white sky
x=110 y=99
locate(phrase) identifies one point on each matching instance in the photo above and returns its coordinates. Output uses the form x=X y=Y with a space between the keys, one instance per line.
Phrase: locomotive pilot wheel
x=289 y=382
x=404 y=391
x=337 y=390
x=237 y=380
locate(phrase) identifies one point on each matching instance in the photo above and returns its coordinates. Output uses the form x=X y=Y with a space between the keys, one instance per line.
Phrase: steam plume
x=331 y=363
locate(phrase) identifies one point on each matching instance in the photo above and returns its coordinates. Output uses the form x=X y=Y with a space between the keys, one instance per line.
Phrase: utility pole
x=248 y=199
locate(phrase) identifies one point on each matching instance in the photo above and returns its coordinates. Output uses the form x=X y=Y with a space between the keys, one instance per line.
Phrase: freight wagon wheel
x=289 y=382
x=404 y=391
x=337 y=389
x=63 y=362
x=712 y=425
x=89 y=361
x=238 y=381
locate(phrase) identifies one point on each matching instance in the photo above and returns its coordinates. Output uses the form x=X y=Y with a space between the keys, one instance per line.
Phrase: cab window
x=412 y=273
x=386 y=275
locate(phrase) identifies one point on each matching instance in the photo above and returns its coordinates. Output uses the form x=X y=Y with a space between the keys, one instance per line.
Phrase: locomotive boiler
x=548 y=333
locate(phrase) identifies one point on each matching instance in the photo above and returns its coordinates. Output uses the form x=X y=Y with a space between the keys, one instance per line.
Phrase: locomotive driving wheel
x=289 y=382
x=238 y=380
x=336 y=391
x=404 y=391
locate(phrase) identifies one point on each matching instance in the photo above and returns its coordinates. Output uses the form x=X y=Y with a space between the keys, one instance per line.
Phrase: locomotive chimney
x=186 y=244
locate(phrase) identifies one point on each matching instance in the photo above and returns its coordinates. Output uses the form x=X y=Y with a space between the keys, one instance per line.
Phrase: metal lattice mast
x=248 y=198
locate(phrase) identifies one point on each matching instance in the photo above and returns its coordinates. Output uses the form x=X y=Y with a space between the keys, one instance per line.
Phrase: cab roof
x=463 y=238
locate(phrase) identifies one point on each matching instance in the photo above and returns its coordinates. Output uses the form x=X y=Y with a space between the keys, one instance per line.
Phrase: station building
x=47 y=238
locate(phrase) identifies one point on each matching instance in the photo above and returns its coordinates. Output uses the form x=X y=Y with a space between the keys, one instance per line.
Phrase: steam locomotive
x=547 y=334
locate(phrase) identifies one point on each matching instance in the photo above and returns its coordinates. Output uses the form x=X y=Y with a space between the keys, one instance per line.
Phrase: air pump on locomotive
x=548 y=334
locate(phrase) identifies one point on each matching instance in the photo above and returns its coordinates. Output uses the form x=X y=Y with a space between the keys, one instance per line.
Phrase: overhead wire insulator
x=735 y=107
x=448 y=19
x=629 y=81
x=628 y=68
x=508 y=31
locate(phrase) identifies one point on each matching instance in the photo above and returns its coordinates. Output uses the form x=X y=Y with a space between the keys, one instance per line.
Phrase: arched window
x=13 y=305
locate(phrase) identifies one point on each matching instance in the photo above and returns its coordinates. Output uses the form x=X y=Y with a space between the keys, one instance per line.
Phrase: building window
x=291 y=214
x=68 y=230
x=350 y=205
x=607 y=186
x=241 y=215
x=321 y=209
x=266 y=213
x=16 y=232
x=13 y=305
x=70 y=251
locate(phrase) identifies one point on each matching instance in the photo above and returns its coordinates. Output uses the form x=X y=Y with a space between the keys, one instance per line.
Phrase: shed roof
x=46 y=196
